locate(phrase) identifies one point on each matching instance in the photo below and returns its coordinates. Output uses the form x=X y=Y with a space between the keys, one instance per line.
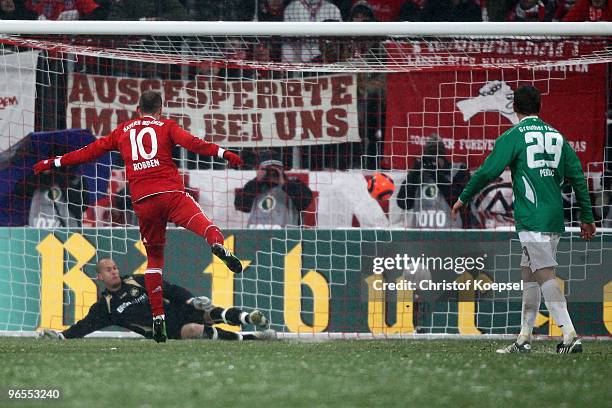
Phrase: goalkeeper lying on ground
x=125 y=303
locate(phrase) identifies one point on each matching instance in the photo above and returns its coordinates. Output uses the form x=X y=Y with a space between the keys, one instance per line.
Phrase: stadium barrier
x=307 y=286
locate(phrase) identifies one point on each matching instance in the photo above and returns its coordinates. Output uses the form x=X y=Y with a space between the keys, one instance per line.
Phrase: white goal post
x=350 y=29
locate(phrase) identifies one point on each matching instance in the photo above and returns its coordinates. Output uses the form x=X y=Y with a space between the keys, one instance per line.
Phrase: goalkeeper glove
x=47 y=164
x=201 y=303
x=50 y=334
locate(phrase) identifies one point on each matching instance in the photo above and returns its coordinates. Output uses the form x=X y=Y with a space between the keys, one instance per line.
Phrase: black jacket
x=128 y=307
x=300 y=194
x=449 y=188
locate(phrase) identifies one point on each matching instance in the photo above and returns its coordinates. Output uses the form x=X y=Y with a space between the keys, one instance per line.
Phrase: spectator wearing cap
x=272 y=199
x=532 y=11
x=590 y=10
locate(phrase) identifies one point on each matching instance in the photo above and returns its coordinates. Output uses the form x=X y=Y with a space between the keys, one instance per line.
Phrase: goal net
x=357 y=140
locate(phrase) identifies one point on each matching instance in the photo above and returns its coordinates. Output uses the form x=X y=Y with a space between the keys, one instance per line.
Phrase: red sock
x=213 y=235
x=153 y=283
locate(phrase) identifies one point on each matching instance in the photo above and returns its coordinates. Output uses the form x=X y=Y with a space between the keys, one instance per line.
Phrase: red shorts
x=156 y=211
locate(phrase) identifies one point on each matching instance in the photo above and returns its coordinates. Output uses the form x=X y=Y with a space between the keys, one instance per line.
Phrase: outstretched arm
x=96 y=319
x=181 y=137
x=85 y=154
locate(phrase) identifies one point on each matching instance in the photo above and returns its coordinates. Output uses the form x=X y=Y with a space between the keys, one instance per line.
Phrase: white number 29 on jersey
x=548 y=142
x=137 y=146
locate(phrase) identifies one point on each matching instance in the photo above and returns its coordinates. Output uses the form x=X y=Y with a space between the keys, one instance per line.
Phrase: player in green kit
x=540 y=161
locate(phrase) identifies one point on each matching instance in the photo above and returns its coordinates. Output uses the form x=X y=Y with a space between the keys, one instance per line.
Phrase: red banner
x=470 y=109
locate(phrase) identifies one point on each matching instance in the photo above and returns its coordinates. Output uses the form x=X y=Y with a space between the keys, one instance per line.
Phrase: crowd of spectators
x=309 y=10
x=371 y=87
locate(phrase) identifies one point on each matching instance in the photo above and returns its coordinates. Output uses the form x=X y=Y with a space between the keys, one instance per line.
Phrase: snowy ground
x=416 y=373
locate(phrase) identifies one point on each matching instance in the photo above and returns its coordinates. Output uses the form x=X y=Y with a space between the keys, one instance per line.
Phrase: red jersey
x=146 y=146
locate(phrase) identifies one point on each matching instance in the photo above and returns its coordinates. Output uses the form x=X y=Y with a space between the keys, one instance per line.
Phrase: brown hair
x=150 y=102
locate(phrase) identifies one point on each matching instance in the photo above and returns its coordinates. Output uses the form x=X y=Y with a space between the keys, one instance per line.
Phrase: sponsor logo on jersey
x=494 y=96
x=141 y=299
x=139 y=122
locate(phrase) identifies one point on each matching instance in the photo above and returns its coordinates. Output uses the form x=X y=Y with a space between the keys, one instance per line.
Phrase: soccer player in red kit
x=157 y=189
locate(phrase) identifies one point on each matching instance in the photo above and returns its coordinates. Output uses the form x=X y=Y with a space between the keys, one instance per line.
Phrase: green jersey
x=540 y=161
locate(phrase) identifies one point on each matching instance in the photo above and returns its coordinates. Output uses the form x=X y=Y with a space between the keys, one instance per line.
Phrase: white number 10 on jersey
x=137 y=146
x=548 y=142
